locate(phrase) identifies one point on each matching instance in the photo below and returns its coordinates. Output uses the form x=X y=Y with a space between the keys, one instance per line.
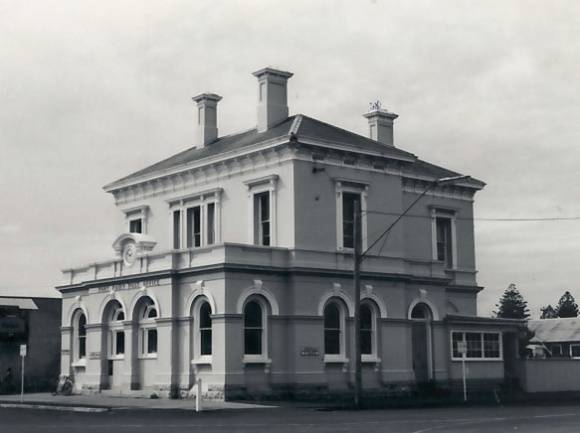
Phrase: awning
x=22 y=303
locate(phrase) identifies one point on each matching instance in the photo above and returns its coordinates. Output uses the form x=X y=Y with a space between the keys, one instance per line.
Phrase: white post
x=198 y=407
x=22 y=355
x=464 y=378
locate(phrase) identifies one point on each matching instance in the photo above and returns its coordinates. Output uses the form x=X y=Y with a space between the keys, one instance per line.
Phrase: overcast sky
x=90 y=91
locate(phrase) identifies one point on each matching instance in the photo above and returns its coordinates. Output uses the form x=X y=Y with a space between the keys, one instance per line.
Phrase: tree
x=548 y=312
x=567 y=306
x=512 y=305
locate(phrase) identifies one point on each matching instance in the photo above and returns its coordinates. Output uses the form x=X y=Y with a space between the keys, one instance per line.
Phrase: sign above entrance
x=127 y=286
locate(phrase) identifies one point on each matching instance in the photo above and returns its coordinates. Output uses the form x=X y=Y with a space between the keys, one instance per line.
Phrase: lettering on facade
x=65 y=352
x=129 y=286
x=95 y=355
x=309 y=351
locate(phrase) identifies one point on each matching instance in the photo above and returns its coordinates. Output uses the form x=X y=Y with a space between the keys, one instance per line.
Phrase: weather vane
x=375 y=106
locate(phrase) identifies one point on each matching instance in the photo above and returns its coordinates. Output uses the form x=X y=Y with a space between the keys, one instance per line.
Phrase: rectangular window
x=444 y=244
x=119 y=343
x=176 y=229
x=575 y=350
x=194 y=227
x=480 y=345
x=210 y=223
x=351 y=203
x=136 y=226
x=262 y=218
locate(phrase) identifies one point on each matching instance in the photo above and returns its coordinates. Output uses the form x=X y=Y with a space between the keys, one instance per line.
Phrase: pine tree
x=548 y=312
x=512 y=305
x=567 y=306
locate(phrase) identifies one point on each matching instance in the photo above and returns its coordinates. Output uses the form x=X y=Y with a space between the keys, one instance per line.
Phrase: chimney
x=381 y=125
x=272 y=97
x=206 y=118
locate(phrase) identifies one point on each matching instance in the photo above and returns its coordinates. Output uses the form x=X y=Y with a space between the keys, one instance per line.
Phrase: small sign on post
x=462 y=349
x=23 y=351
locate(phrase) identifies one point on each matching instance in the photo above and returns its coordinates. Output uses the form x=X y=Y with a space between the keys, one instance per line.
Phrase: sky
x=93 y=90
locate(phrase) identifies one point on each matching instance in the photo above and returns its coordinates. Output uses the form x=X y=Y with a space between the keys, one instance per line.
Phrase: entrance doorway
x=422 y=343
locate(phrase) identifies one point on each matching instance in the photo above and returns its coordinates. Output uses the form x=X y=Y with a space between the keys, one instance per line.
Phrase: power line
x=537 y=219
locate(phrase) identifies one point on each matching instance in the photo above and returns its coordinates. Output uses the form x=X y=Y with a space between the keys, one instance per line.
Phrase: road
x=529 y=419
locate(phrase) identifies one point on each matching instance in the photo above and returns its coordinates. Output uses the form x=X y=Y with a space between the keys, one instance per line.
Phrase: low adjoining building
x=556 y=338
x=35 y=322
x=233 y=263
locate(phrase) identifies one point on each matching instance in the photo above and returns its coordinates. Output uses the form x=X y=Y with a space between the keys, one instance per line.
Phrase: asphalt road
x=529 y=419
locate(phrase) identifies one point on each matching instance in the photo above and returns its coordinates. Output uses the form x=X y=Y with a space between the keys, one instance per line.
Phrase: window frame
x=147 y=324
x=373 y=356
x=263 y=357
x=560 y=351
x=137 y=213
x=345 y=186
x=571 y=350
x=339 y=357
x=259 y=186
x=180 y=205
x=116 y=326
x=77 y=358
x=197 y=356
x=482 y=358
x=451 y=215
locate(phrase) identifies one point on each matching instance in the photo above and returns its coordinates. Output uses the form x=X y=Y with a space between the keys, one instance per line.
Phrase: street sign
x=22 y=356
x=23 y=350
x=462 y=347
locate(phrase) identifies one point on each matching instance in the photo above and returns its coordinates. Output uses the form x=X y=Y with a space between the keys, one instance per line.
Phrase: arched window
x=332 y=329
x=115 y=320
x=253 y=328
x=366 y=329
x=81 y=334
x=421 y=311
x=205 y=328
x=148 y=328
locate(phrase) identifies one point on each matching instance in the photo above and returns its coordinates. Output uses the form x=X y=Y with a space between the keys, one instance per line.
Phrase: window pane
x=366 y=317
x=262 y=218
x=135 y=226
x=152 y=341
x=196 y=226
x=205 y=336
x=444 y=251
x=491 y=345
x=211 y=223
x=348 y=210
x=575 y=350
x=82 y=325
x=176 y=229
x=331 y=316
x=456 y=338
x=82 y=346
x=366 y=345
x=120 y=343
x=253 y=341
x=473 y=340
x=189 y=227
x=204 y=316
x=151 y=312
x=253 y=315
x=331 y=341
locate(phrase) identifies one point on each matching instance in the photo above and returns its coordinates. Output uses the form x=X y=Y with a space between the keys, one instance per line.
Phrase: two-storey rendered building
x=234 y=261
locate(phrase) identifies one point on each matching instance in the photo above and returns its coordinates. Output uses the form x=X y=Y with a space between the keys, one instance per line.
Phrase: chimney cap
x=272 y=71
x=380 y=113
x=207 y=97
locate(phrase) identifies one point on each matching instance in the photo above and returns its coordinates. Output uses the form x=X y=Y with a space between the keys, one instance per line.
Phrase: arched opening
x=422 y=342
x=201 y=327
x=334 y=329
x=144 y=342
x=79 y=336
x=113 y=344
x=254 y=328
x=368 y=314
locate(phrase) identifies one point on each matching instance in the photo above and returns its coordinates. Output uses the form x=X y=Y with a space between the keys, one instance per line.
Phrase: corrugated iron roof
x=22 y=303
x=555 y=330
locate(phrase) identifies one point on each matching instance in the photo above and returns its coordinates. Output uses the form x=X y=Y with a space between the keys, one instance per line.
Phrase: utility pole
x=356 y=277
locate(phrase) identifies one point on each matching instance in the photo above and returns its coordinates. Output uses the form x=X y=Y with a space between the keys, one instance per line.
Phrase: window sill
x=370 y=359
x=335 y=359
x=256 y=359
x=202 y=360
x=477 y=359
x=148 y=356
x=79 y=363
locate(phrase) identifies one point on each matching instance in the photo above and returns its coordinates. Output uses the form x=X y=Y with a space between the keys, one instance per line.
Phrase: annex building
x=232 y=261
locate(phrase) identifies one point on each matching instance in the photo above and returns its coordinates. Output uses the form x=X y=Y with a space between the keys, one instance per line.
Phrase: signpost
x=22 y=356
x=462 y=349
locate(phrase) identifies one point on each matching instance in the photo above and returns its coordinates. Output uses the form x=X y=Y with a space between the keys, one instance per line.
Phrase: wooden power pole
x=356 y=277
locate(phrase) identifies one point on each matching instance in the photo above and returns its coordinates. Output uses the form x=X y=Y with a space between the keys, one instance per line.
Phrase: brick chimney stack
x=206 y=118
x=381 y=126
x=272 y=97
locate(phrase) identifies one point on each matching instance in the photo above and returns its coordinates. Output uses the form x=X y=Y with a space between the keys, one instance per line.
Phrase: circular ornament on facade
x=129 y=253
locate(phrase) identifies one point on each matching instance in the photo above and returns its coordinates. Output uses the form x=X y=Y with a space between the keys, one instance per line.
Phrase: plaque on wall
x=309 y=351
x=95 y=355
